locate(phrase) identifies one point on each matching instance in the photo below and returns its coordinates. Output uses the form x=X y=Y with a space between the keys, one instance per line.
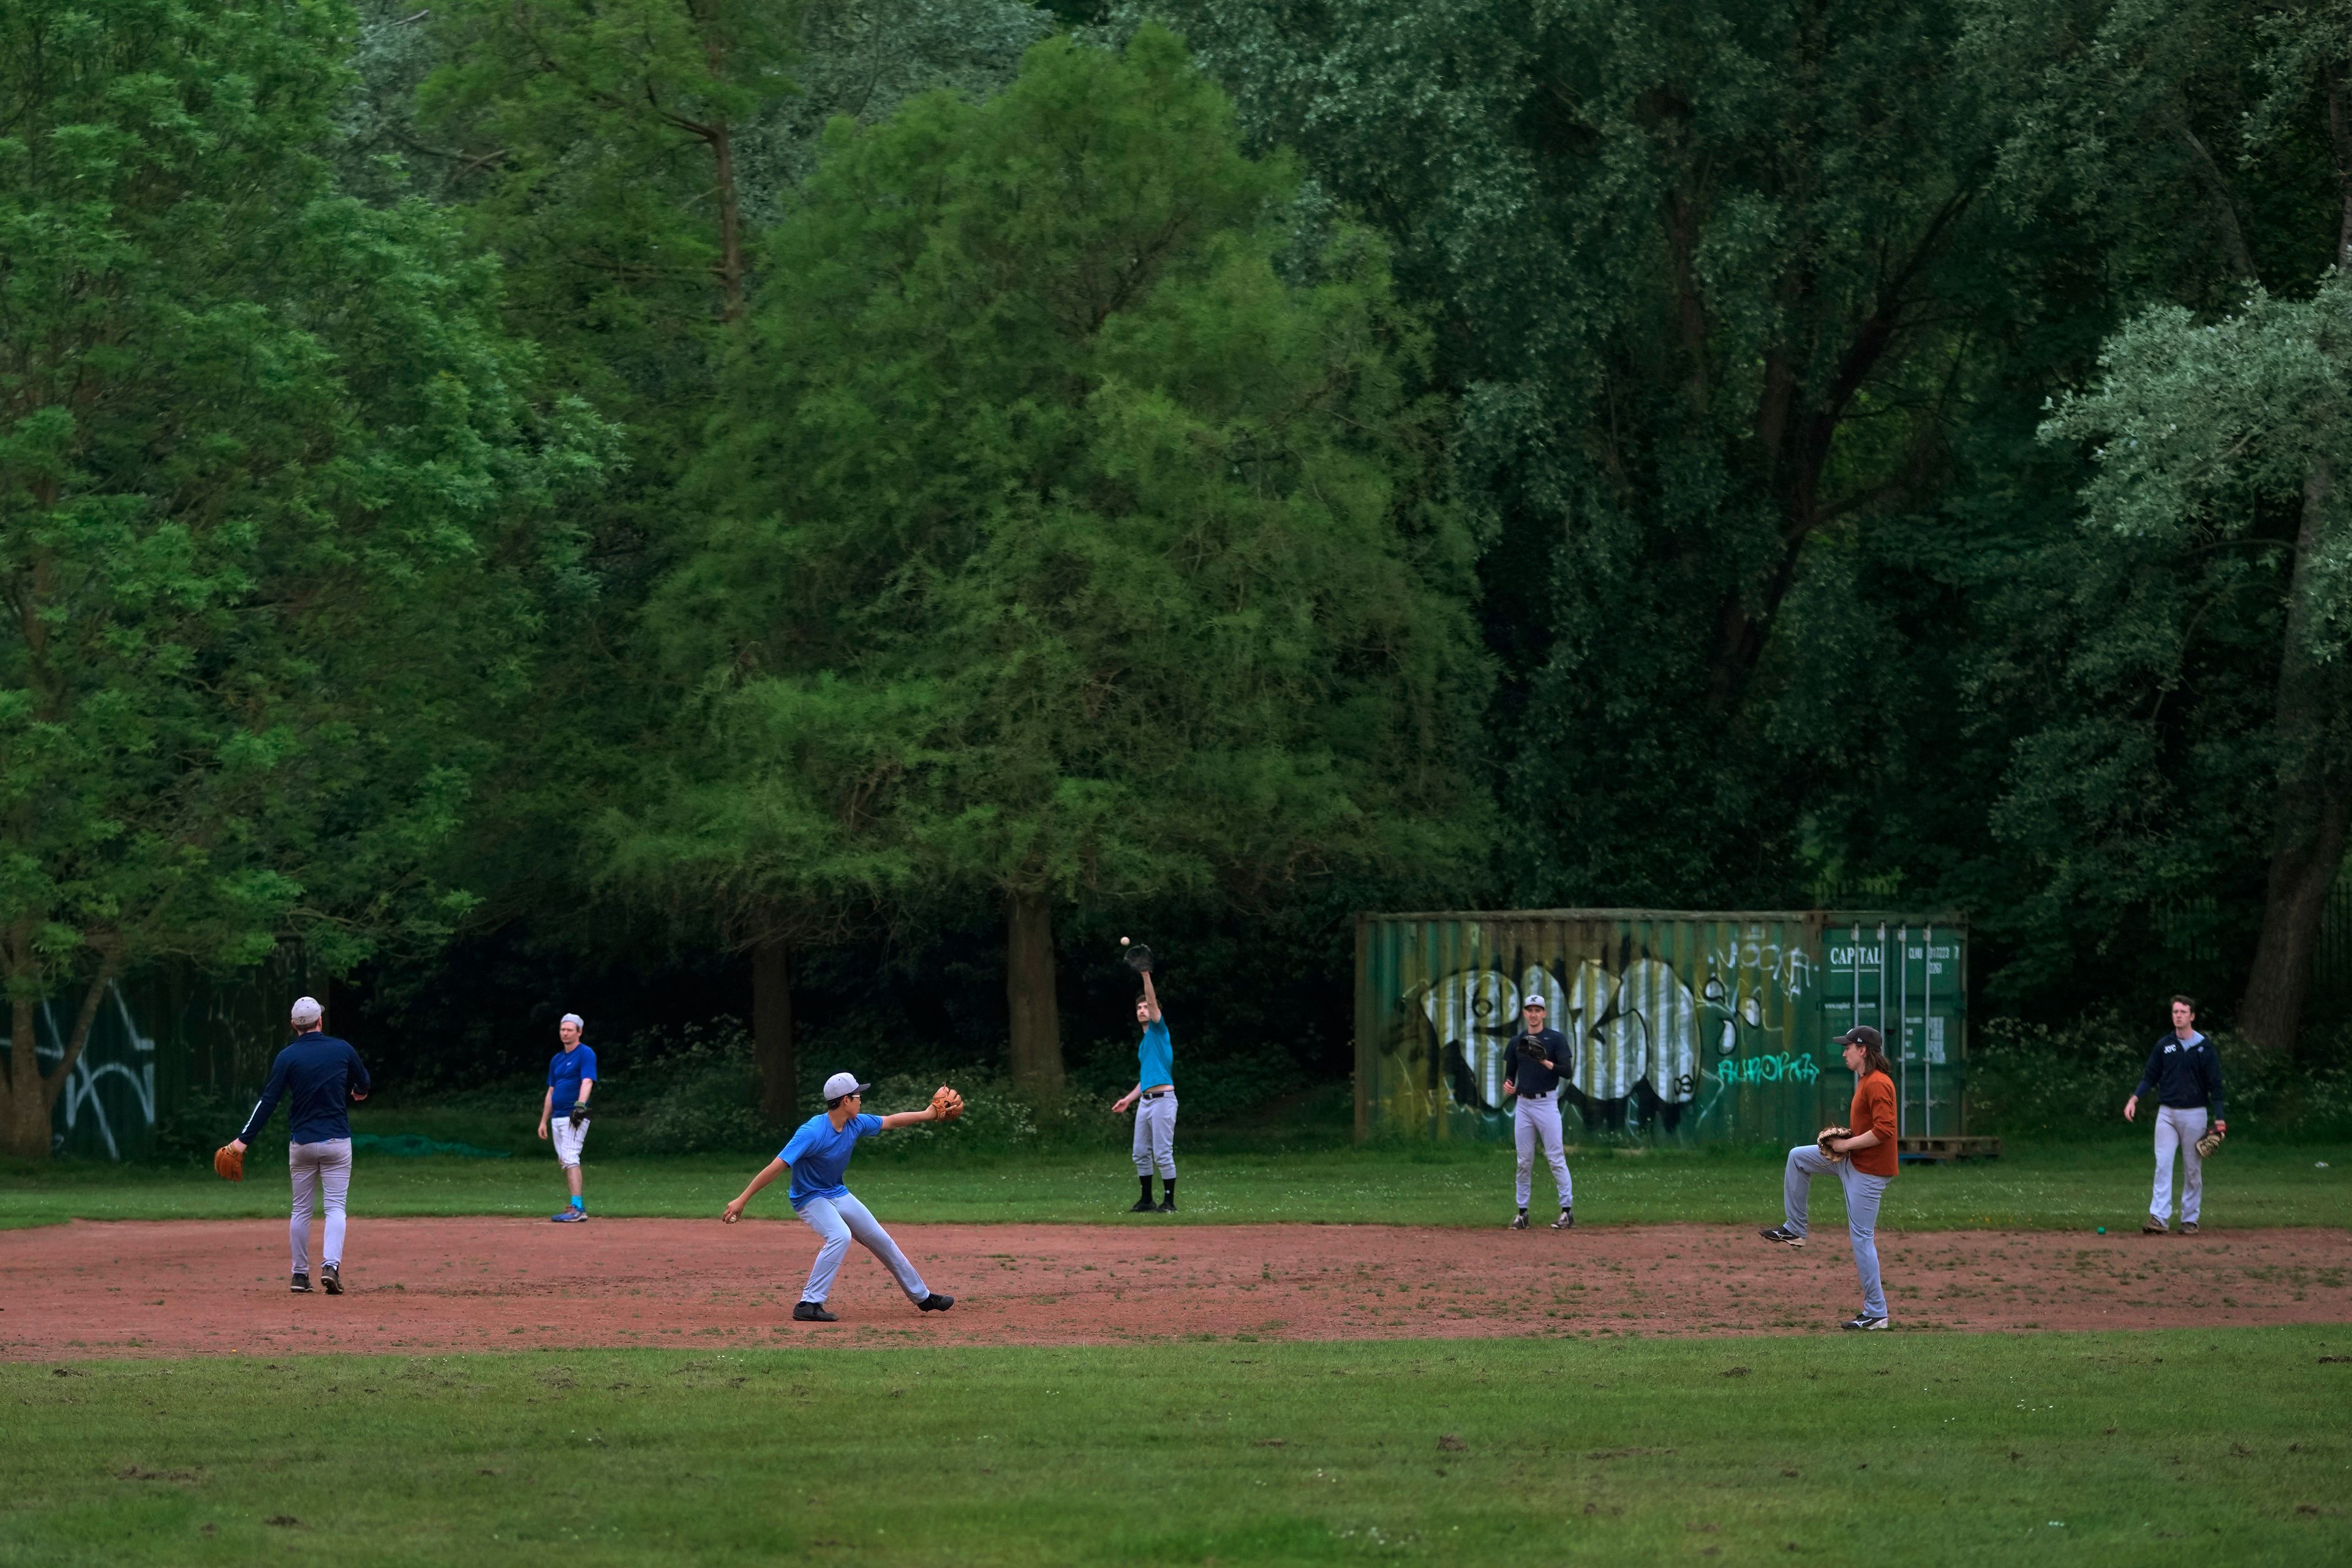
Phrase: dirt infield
x=433 y=1285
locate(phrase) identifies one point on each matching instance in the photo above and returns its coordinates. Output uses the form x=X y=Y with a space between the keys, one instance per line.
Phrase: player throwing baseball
x=817 y=1158
x=1154 y=1099
x=1863 y=1156
x=571 y=1080
x=1538 y=1060
x=317 y=1071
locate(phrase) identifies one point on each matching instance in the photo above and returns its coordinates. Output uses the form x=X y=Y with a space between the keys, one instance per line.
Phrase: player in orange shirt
x=1864 y=1161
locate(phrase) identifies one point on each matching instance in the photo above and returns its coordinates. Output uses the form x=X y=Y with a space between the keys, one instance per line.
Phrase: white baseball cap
x=573 y=1019
x=841 y=1085
x=307 y=1013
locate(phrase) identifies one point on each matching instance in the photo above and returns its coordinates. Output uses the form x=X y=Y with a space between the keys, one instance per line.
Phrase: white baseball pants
x=1155 y=1135
x=568 y=1140
x=1538 y=1118
x=1863 y=1191
x=837 y=1220
x=318 y=1168
x=2177 y=1129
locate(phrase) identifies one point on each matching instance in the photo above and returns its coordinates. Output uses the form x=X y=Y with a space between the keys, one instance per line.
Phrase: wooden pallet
x=1940 y=1149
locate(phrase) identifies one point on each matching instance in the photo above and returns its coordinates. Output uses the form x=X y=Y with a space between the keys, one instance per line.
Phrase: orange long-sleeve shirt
x=1873 y=1111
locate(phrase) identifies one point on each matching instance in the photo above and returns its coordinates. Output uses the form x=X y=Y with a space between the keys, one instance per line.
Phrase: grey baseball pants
x=1863 y=1191
x=1537 y=1118
x=1155 y=1135
x=837 y=1220
x=318 y=1168
x=2177 y=1129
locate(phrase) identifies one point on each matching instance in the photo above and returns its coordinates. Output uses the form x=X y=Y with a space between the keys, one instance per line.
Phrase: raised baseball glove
x=2210 y=1142
x=1531 y=1049
x=1822 y=1137
x=228 y=1162
x=947 y=1102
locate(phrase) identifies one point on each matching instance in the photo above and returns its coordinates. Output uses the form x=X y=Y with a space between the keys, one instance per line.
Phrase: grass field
x=2058 y=1187
x=2184 y=1448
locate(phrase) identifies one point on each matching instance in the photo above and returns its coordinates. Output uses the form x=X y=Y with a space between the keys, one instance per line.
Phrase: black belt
x=1157 y=1093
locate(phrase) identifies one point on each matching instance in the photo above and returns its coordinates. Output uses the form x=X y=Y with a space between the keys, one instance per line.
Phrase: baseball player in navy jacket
x=2185 y=1074
x=317 y=1071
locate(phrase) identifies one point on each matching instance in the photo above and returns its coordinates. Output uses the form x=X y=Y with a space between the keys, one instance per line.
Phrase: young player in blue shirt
x=1154 y=1099
x=818 y=1157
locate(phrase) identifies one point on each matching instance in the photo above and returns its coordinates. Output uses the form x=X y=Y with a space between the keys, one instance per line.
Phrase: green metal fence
x=1685 y=1028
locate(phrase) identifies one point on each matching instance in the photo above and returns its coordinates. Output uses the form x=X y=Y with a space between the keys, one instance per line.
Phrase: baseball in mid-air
x=1124 y=940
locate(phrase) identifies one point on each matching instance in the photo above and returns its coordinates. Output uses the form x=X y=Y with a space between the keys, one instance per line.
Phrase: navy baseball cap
x=1862 y=1035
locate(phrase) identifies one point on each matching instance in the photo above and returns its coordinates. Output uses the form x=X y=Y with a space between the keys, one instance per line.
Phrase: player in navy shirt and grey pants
x=818 y=1157
x=2185 y=1074
x=314 y=1074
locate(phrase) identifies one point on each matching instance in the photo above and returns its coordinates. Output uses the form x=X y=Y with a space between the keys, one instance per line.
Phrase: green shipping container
x=1685 y=1028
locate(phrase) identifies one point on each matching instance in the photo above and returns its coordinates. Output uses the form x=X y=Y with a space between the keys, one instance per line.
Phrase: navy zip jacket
x=317 y=1070
x=2189 y=1074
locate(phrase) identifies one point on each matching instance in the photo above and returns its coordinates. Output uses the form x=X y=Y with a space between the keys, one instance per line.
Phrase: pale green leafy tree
x=272 y=502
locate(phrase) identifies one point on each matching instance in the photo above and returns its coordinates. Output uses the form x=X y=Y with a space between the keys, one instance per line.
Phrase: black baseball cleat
x=813 y=1312
x=1167 y=1205
x=301 y=1286
x=1143 y=1205
x=1783 y=1235
x=331 y=1276
x=1567 y=1220
x=1521 y=1222
x=1863 y=1320
x=935 y=1302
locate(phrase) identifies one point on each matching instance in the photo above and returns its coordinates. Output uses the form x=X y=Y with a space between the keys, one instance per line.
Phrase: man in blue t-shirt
x=571 y=1080
x=1154 y=1099
x=314 y=1074
x=818 y=1157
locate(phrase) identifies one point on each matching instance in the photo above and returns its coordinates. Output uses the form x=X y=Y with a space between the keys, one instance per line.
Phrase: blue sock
x=578 y=1203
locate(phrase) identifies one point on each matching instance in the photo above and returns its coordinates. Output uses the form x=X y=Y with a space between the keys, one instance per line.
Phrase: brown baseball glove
x=228 y=1162
x=947 y=1102
x=1825 y=1134
x=2210 y=1142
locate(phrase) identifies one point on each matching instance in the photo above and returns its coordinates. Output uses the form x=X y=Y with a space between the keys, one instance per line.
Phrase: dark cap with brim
x=1862 y=1035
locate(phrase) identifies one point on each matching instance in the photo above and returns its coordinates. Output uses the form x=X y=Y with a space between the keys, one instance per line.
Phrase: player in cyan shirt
x=818 y=1157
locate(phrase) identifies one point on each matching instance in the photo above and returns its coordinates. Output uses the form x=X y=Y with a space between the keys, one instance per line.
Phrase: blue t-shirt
x=1156 y=1057
x=315 y=1075
x=565 y=1072
x=819 y=1155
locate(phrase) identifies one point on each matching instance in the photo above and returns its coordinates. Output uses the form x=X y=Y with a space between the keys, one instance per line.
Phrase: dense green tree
x=1705 y=278
x=2187 y=764
x=1058 y=454
x=273 y=502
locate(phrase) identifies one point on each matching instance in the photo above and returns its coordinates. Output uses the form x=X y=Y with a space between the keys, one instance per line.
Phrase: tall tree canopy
x=274 y=497
x=1053 y=424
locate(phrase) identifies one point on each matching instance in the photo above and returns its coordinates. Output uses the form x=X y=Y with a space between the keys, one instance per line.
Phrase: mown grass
x=2047 y=1187
x=2222 y=1447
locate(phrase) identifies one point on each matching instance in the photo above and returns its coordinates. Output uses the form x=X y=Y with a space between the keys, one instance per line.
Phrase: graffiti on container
x=81 y=1097
x=1770 y=1068
x=1637 y=1034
